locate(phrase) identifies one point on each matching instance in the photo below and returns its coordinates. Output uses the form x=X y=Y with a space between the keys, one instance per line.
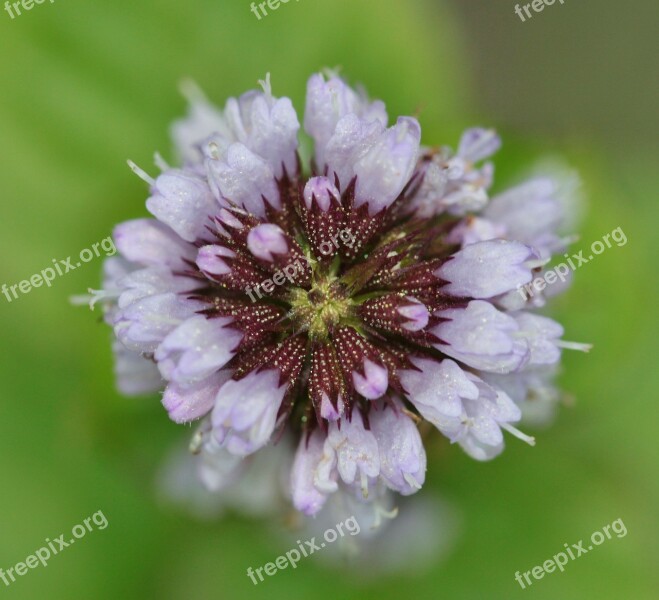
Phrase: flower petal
x=184 y=202
x=185 y=404
x=196 y=349
x=384 y=170
x=487 y=269
x=151 y=243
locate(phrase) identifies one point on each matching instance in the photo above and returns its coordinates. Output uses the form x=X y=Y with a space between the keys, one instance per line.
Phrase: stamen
x=381 y=512
x=93 y=297
x=191 y=92
x=266 y=85
x=197 y=441
x=411 y=481
x=568 y=240
x=214 y=150
x=534 y=264
x=530 y=440
x=574 y=346
x=364 y=485
x=143 y=175
x=416 y=418
x=331 y=72
x=160 y=162
x=80 y=300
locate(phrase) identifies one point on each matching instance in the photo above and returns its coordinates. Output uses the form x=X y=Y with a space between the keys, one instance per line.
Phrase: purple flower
x=196 y=349
x=530 y=213
x=354 y=451
x=482 y=337
x=322 y=191
x=183 y=201
x=185 y=403
x=307 y=498
x=245 y=412
x=336 y=306
x=402 y=456
x=487 y=269
x=265 y=240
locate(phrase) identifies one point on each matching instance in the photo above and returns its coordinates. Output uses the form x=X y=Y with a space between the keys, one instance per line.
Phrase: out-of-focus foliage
x=85 y=86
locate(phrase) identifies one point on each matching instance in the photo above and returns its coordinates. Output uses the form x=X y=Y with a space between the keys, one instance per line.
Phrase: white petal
x=487 y=269
x=150 y=242
x=196 y=349
x=184 y=202
x=190 y=403
x=243 y=179
x=387 y=166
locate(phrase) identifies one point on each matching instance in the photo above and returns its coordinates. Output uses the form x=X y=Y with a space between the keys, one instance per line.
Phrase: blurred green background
x=87 y=85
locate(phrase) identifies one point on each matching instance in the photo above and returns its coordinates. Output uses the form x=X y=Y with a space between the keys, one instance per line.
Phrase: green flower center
x=322 y=308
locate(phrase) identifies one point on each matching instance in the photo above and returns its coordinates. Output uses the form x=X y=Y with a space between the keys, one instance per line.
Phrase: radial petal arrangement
x=350 y=304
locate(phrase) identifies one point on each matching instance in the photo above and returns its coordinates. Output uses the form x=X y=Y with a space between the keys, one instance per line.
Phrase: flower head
x=338 y=306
